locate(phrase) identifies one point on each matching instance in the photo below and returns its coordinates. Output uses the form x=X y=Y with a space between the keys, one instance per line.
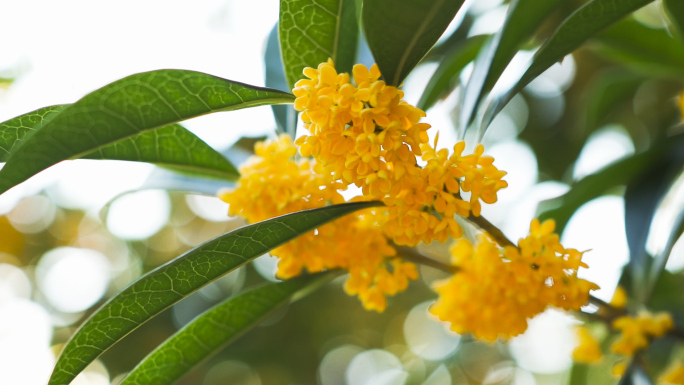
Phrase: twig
x=411 y=254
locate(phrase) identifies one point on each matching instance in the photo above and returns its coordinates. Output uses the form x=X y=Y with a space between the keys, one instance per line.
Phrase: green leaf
x=595 y=185
x=401 y=32
x=170 y=283
x=126 y=108
x=452 y=64
x=523 y=19
x=675 y=12
x=312 y=31
x=172 y=147
x=587 y=21
x=652 y=51
x=15 y=129
x=606 y=91
x=218 y=327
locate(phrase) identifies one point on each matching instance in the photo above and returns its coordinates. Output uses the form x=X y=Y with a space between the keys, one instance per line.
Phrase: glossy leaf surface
x=126 y=108
x=170 y=283
x=14 y=130
x=401 y=32
x=311 y=31
x=217 y=327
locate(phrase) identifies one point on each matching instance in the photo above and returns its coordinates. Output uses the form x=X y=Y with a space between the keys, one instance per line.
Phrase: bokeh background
x=79 y=232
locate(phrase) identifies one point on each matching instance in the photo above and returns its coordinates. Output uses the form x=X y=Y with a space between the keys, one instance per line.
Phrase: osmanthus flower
x=366 y=135
x=272 y=183
x=588 y=350
x=637 y=331
x=673 y=375
x=495 y=291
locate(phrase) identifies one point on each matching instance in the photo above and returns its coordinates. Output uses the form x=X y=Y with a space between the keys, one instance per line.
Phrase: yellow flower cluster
x=636 y=331
x=495 y=291
x=272 y=183
x=368 y=136
x=673 y=375
x=588 y=350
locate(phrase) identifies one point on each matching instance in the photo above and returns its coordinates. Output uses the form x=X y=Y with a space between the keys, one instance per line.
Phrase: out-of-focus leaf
x=310 y=32
x=652 y=51
x=635 y=375
x=216 y=328
x=523 y=19
x=172 y=147
x=606 y=91
x=642 y=196
x=456 y=38
x=594 y=185
x=125 y=108
x=170 y=283
x=14 y=130
x=285 y=115
x=452 y=64
x=675 y=12
x=587 y=21
x=400 y=32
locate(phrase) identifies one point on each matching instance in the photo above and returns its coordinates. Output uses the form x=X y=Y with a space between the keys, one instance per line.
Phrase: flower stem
x=413 y=255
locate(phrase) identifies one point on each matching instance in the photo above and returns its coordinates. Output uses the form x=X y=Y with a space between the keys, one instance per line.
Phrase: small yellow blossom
x=588 y=350
x=273 y=184
x=619 y=299
x=496 y=291
x=673 y=375
x=636 y=331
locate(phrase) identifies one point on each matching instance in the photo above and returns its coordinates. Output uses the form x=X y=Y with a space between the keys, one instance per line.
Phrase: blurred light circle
x=208 y=208
x=233 y=373
x=267 y=267
x=139 y=215
x=603 y=147
x=25 y=334
x=333 y=365
x=93 y=374
x=14 y=283
x=547 y=344
x=32 y=214
x=439 y=376
x=599 y=227
x=73 y=279
x=520 y=163
x=375 y=367
x=426 y=336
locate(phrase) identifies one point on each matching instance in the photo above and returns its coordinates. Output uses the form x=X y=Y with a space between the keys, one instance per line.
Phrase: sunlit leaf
x=523 y=19
x=126 y=108
x=14 y=130
x=652 y=51
x=170 y=283
x=400 y=32
x=173 y=147
x=595 y=185
x=452 y=64
x=675 y=13
x=312 y=31
x=216 y=328
x=285 y=115
x=587 y=21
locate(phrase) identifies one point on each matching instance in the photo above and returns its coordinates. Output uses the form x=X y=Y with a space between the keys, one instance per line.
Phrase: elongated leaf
x=312 y=31
x=216 y=328
x=170 y=283
x=15 y=129
x=523 y=19
x=285 y=115
x=675 y=12
x=401 y=32
x=587 y=21
x=174 y=147
x=451 y=66
x=594 y=185
x=607 y=90
x=126 y=108
x=649 y=50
